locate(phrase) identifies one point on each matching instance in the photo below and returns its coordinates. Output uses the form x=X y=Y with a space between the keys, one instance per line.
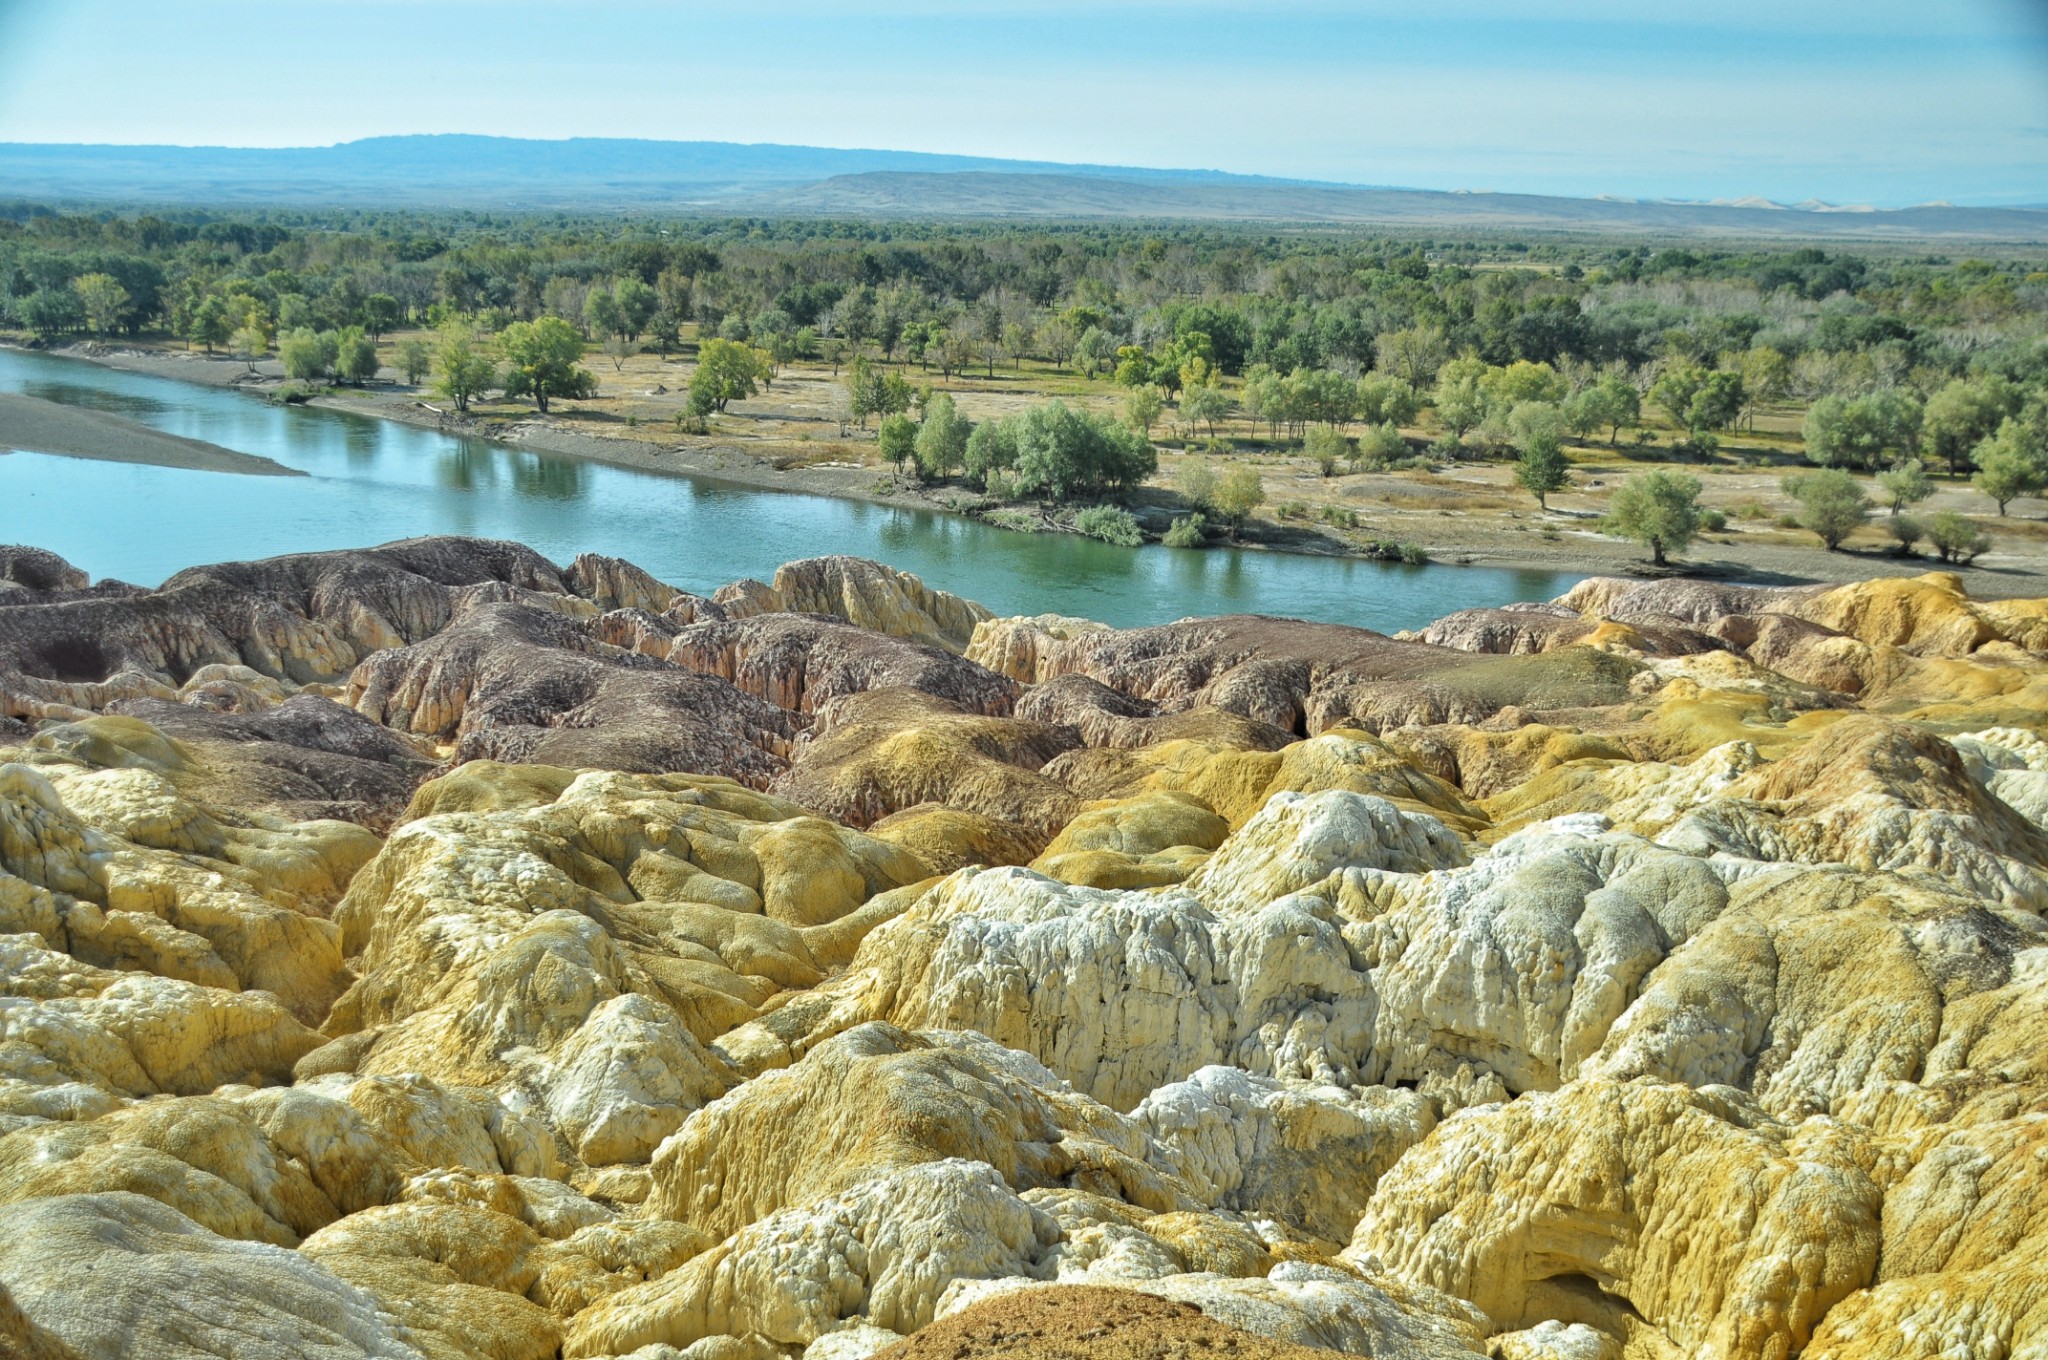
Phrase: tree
x=1658 y=509
x=991 y=448
x=1134 y=367
x=381 y=313
x=540 y=361
x=467 y=369
x=415 y=359
x=727 y=371
x=1611 y=402
x=1141 y=410
x=1239 y=492
x=1542 y=468
x=210 y=323
x=1461 y=402
x=2009 y=465
x=1905 y=484
x=250 y=343
x=1380 y=445
x=896 y=436
x=308 y=354
x=104 y=299
x=1863 y=432
x=1956 y=539
x=1094 y=350
x=1831 y=504
x=1413 y=355
x=1198 y=484
x=1063 y=453
x=636 y=303
x=601 y=313
x=1206 y=404
x=355 y=356
x=1963 y=415
x=1382 y=397
x=941 y=439
x=1523 y=381
x=1766 y=379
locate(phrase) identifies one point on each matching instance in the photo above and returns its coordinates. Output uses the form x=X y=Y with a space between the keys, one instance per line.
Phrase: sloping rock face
x=435 y=952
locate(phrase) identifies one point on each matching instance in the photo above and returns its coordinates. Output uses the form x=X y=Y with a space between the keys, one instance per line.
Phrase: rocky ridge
x=432 y=951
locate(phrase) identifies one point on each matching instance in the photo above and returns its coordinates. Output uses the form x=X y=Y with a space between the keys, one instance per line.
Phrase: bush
x=1831 y=504
x=1413 y=555
x=1343 y=517
x=1326 y=448
x=1713 y=521
x=1956 y=539
x=1110 y=524
x=1906 y=531
x=1187 y=532
x=1000 y=483
x=1379 y=446
x=1292 y=510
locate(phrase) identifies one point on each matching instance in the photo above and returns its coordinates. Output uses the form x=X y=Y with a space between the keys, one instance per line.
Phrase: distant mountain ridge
x=613 y=174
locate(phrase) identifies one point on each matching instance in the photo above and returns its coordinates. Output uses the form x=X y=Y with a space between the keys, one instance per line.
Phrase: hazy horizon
x=1884 y=103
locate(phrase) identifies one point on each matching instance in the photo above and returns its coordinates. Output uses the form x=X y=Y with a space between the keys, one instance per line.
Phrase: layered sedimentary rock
x=435 y=952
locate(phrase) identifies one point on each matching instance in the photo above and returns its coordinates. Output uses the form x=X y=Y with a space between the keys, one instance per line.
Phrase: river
x=373 y=480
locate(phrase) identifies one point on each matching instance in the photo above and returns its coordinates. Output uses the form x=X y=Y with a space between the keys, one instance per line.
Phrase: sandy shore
x=32 y=425
x=1564 y=540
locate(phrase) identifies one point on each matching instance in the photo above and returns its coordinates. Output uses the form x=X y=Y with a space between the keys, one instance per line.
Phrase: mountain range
x=623 y=175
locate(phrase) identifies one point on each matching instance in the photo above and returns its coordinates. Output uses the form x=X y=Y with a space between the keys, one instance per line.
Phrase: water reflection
x=373 y=481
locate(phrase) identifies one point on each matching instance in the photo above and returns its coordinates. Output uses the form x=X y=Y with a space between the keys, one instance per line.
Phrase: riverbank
x=1466 y=514
x=32 y=425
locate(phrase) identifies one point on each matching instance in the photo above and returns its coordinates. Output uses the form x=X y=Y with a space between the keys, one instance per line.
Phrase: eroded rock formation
x=434 y=952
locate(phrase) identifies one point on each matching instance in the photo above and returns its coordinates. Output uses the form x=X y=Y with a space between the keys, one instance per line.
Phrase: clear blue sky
x=1880 y=101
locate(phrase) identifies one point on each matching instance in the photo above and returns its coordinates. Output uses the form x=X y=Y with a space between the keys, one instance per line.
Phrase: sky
x=1887 y=102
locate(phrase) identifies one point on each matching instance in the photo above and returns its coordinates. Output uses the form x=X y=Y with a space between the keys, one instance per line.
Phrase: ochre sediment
x=432 y=951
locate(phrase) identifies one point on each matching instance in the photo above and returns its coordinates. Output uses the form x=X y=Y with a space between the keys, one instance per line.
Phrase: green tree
x=1831 y=504
x=355 y=356
x=1523 y=381
x=381 y=313
x=415 y=359
x=210 y=323
x=1658 y=509
x=1963 y=415
x=896 y=436
x=250 y=343
x=941 y=439
x=1461 y=402
x=1238 y=492
x=1862 y=432
x=1205 y=404
x=1766 y=379
x=467 y=369
x=1141 y=410
x=1198 y=484
x=1384 y=398
x=2009 y=465
x=1062 y=453
x=541 y=361
x=729 y=371
x=104 y=299
x=308 y=354
x=1094 y=351
x=1543 y=468
x=1134 y=367
x=1905 y=484
x=637 y=304
x=991 y=448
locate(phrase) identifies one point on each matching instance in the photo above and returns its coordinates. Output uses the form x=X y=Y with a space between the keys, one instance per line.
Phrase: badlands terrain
x=435 y=951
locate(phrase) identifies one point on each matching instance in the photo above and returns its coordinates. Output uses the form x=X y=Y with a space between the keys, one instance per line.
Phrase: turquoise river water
x=374 y=480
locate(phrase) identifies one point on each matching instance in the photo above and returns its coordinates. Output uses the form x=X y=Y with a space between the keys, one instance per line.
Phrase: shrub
x=1956 y=539
x=1326 y=448
x=1292 y=510
x=1110 y=524
x=1713 y=521
x=1831 y=504
x=1906 y=531
x=1413 y=555
x=1342 y=516
x=1186 y=532
x=1379 y=446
